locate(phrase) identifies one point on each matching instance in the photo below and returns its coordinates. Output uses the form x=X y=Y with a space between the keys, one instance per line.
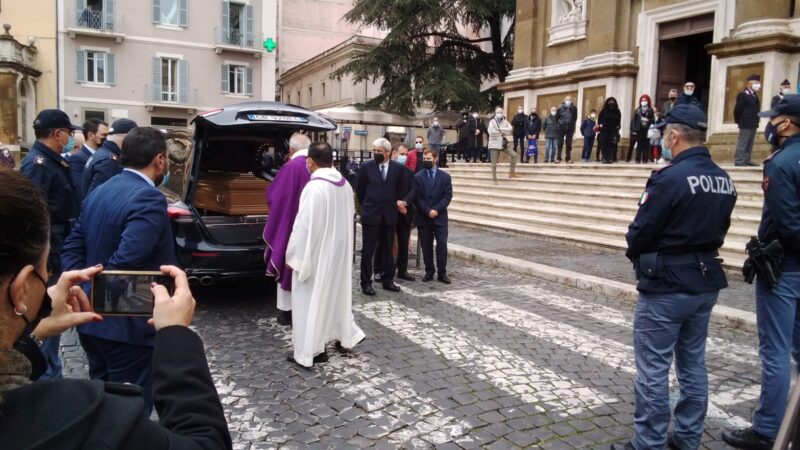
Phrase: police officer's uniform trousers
x=50 y=173
x=777 y=311
x=682 y=220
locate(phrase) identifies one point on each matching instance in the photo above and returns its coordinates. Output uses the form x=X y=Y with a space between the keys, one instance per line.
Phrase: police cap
x=122 y=126
x=686 y=114
x=51 y=119
x=789 y=105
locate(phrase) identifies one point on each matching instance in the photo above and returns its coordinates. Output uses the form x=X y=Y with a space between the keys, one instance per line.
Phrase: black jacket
x=533 y=125
x=472 y=125
x=101 y=166
x=746 y=109
x=379 y=198
x=609 y=120
x=518 y=122
x=83 y=414
x=567 y=117
x=639 y=117
x=780 y=217
x=463 y=129
x=408 y=193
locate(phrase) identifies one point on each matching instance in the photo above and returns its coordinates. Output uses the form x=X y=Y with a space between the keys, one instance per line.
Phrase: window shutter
x=80 y=12
x=80 y=65
x=248 y=74
x=247 y=40
x=183 y=81
x=156 y=94
x=226 y=22
x=157 y=11
x=183 y=17
x=111 y=69
x=109 y=9
x=224 y=85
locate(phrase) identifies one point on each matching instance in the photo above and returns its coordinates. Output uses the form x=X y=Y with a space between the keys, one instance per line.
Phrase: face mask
x=519 y=111
x=498 y=116
x=102 y=141
x=612 y=105
x=666 y=151
x=427 y=164
x=164 y=179
x=771 y=134
x=25 y=344
x=671 y=98
x=786 y=91
x=401 y=159
x=688 y=91
x=756 y=86
x=379 y=158
x=6 y=153
x=436 y=124
x=418 y=146
x=593 y=115
x=70 y=143
x=475 y=115
x=552 y=112
x=644 y=104
x=567 y=102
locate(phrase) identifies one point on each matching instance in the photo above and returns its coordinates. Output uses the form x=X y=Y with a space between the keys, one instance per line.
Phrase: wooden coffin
x=232 y=194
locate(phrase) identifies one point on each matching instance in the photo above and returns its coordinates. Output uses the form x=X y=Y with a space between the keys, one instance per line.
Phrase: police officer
x=684 y=214
x=776 y=308
x=49 y=171
x=104 y=164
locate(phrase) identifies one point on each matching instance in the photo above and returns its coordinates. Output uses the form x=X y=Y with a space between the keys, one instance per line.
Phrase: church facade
x=594 y=49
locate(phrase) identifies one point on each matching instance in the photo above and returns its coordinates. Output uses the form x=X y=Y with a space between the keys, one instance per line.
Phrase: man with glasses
x=49 y=171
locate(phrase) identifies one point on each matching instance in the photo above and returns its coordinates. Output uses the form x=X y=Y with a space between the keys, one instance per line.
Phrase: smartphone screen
x=126 y=293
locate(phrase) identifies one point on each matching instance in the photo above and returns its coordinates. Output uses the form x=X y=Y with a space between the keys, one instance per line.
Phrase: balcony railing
x=168 y=95
x=235 y=38
x=96 y=20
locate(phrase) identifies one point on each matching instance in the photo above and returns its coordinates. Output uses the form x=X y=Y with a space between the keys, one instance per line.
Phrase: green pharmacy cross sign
x=270 y=45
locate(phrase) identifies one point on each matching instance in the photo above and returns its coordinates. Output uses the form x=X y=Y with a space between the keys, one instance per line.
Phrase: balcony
x=93 y=23
x=234 y=40
x=169 y=97
x=17 y=56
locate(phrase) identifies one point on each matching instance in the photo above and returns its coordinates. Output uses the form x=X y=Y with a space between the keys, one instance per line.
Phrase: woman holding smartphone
x=66 y=413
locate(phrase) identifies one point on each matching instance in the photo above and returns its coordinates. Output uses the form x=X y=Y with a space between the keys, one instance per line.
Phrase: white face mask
x=520 y=111
x=644 y=104
x=756 y=86
x=786 y=91
x=498 y=115
x=688 y=91
x=552 y=112
x=474 y=115
x=567 y=102
x=436 y=124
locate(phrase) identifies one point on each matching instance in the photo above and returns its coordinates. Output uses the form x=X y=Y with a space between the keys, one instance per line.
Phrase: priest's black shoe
x=285 y=318
x=319 y=359
x=444 y=279
x=427 y=277
x=368 y=290
x=391 y=287
x=405 y=276
x=747 y=438
x=622 y=446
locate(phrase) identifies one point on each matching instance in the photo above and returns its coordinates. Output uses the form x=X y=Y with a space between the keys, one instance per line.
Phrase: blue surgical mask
x=401 y=159
x=165 y=180
x=418 y=146
x=666 y=152
x=68 y=148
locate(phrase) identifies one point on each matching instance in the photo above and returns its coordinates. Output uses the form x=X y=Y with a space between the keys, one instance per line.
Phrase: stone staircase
x=585 y=204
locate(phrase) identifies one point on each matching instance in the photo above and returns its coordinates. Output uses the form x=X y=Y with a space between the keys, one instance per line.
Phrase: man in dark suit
x=105 y=163
x=95 y=131
x=379 y=189
x=405 y=206
x=124 y=226
x=434 y=193
x=745 y=113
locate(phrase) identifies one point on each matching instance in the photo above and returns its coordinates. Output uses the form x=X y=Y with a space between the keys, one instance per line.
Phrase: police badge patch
x=643 y=198
x=39 y=160
x=114 y=157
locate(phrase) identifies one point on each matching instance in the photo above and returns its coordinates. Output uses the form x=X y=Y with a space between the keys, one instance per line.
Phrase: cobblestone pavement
x=600 y=263
x=495 y=360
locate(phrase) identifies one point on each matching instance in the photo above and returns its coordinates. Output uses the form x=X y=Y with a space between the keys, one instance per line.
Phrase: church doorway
x=683 y=57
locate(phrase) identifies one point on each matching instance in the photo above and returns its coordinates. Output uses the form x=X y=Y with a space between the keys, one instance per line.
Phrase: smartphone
x=126 y=292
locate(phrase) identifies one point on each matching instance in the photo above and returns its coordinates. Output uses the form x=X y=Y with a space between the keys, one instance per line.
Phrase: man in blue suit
x=95 y=131
x=105 y=163
x=434 y=193
x=124 y=226
x=379 y=189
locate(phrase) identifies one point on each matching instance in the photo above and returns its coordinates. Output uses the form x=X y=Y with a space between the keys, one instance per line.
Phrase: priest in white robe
x=320 y=252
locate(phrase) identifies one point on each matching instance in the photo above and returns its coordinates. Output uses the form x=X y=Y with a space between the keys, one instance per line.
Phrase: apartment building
x=158 y=62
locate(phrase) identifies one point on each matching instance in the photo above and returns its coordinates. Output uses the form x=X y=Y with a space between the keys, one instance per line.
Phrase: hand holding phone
x=126 y=293
x=70 y=305
x=174 y=309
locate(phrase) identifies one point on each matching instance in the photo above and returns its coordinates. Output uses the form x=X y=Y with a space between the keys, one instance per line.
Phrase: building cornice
x=344 y=50
x=575 y=76
x=780 y=42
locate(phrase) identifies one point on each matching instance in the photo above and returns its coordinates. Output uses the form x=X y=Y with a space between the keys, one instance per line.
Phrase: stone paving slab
x=495 y=360
x=604 y=264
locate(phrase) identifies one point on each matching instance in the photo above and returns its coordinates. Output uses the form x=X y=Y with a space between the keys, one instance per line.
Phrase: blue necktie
x=383 y=172
x=430 y=174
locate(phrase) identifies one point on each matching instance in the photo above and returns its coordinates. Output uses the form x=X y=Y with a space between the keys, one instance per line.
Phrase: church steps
x=588 y=205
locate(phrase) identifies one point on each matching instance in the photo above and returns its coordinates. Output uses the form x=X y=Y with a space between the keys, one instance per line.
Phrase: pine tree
x=426 y=59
